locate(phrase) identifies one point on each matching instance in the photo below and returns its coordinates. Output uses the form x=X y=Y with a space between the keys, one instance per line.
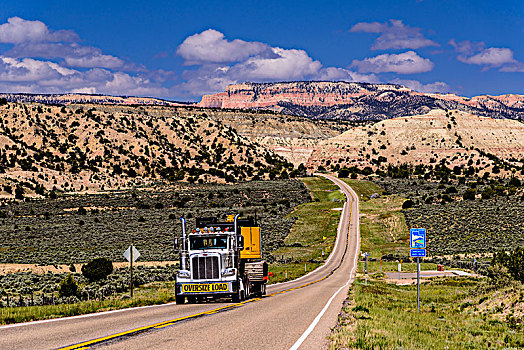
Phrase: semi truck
x=220 y=259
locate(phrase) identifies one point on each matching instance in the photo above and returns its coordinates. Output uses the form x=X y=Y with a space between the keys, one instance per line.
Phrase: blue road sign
x=417 y=238
x=418 y=253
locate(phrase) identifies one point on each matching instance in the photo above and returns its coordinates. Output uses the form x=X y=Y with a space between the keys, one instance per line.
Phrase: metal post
x=131 y=272
x=366 y=271
x=418 y=284
x=183 y=250
x=305 y=267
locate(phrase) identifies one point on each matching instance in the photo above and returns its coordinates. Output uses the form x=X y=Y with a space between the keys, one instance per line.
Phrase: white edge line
x=319 y=316
x=82 y=316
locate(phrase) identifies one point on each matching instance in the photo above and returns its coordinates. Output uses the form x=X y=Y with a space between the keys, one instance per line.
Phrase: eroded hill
x=97 y=147
x=458 y=138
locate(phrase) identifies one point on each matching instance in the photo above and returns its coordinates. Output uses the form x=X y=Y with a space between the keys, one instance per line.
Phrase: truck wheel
x=235 y=298
x=180 y=299
x=247 y=293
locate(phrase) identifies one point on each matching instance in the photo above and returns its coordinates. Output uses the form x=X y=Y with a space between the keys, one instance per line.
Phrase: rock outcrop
x=356 y=101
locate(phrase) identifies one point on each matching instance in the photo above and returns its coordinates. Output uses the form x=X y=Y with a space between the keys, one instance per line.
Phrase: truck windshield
x=206 y=242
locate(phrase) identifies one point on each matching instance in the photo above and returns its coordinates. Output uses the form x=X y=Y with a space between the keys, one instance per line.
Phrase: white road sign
x=127 y=253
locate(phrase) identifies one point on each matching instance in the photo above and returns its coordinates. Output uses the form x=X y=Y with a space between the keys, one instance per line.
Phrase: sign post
x=366 y=269
x=131 y=254
x=418 y=249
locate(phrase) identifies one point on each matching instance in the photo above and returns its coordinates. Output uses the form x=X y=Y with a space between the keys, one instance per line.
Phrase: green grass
x=384 y=316
x=316 y=220
x=383 y=228
x=150 y=294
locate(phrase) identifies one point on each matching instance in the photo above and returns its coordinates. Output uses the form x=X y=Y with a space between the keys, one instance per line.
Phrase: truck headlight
x=228 y=272
x=183 y=274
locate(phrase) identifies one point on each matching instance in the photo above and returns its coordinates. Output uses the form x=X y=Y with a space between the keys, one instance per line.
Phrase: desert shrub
x=19 y=192
x=499 y=276
x=487 y=193
x=513 y=261
x=105 y=232
x=451 y=189
x=514 y=182
x=97 y=269
x=343 y=173
x=469 y=194
x=68 y=287
x=408 y=204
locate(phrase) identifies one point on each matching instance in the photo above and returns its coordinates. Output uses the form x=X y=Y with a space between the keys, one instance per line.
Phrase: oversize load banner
x=205 y=288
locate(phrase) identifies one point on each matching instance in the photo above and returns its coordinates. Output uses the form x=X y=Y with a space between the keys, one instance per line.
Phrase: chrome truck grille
x=205 y=267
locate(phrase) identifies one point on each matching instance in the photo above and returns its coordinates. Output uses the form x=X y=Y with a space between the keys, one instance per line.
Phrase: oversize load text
x=203 y=288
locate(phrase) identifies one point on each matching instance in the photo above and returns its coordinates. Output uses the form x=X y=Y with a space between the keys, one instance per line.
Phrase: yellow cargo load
x=251 y=243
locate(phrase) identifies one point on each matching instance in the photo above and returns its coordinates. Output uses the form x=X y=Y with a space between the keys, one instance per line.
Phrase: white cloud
x=513 y=67
x=438 y=86
x=73 y=54
x=211 y=47
x=104 y=61
x=36 y=76
x=285 y=64
x=28 y=69
x=491 y=57
x=405 y=63
x=18 y=30
x=394 y=35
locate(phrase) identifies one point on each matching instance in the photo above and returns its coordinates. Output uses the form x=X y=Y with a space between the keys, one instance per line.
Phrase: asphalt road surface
x=294 y=315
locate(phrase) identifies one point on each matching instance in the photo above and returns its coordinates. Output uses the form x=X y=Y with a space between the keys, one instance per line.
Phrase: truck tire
x=235 y=298
x=259 y=289
x=247 y=290
x=240 y=294
x=180 y=299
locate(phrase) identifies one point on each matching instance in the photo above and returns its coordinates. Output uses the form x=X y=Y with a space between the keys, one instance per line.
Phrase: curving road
x=295 y=314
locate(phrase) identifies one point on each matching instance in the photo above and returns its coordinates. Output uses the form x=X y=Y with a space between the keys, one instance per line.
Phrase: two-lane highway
x=295 y=314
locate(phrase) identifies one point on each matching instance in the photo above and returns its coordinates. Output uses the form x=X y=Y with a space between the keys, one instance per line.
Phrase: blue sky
x=182 y=49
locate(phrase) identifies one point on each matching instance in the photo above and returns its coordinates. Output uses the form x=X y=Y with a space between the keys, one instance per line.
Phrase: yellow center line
x=86 y=344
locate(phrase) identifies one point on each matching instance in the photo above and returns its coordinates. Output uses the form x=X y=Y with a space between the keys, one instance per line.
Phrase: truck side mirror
x=241 y=242
x=176 y=245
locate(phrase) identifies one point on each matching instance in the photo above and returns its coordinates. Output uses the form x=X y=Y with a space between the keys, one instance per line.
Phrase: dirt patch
x=42 y=269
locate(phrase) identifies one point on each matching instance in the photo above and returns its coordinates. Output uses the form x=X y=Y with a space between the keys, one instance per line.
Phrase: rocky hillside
x=357 y=101
x=292 y=137
x=455 y=137
x=96 y=147
x=75 y=98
